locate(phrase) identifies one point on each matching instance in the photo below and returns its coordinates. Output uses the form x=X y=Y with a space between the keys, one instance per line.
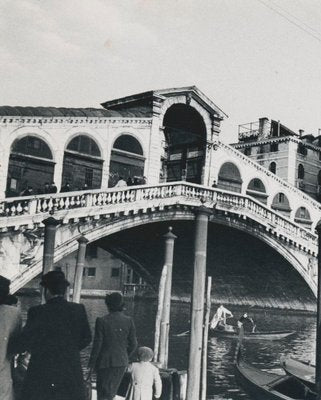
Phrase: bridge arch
x=281 y=204
x=127 y=160
x=302 y=217
x=95 y=232
x=82 y=163
x=256 y=189
x=229 y=177
x=186 y=136
x=31 y=164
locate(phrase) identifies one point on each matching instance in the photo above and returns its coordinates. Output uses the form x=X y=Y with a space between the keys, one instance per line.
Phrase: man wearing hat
x=115 y=340
x=10 y=327
x=54 y=334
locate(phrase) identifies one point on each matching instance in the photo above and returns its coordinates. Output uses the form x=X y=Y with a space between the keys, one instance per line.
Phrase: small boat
x=261 y=385
x=257 y=335
x=301 y=370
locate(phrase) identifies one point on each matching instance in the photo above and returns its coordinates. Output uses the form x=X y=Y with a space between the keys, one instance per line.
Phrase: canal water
x=221 y=381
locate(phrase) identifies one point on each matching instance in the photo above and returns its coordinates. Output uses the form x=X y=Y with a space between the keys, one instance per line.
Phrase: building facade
x=292 y=156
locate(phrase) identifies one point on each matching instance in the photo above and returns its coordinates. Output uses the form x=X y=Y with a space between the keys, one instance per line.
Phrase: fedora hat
x=53 y=279
x=114 y=301
x=4 y=286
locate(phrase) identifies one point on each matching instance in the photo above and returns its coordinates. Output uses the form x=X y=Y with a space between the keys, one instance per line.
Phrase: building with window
x=292 y=156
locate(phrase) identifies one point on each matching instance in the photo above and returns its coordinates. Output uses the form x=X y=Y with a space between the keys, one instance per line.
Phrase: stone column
x=318 y=340
x=164 y=329
x=48 y=248
x=197 y=306
x=82 y=243
x=49 y=244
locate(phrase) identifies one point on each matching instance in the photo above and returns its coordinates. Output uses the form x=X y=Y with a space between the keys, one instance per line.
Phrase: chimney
x=301 y=132
x=264 y=127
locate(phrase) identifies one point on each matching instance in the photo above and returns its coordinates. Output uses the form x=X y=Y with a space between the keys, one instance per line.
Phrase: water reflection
x=221 y=382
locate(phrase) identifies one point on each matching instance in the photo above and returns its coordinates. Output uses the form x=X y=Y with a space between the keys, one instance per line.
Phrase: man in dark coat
x=115 y=340
x=54 y=334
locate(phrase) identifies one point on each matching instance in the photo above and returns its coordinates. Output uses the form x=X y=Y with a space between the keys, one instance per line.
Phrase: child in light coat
x=144 y=377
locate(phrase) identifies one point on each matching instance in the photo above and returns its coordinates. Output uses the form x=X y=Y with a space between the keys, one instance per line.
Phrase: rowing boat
x=262 y=385
x=267 y=335
x=301 y=370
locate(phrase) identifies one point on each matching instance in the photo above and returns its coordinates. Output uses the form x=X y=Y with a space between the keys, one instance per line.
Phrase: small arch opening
x=229 y=178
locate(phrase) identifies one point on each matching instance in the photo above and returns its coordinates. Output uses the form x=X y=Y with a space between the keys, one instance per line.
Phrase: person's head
x=4 y=289
x=245 y=315
x=145 y=354
x=55 y=283
x=114 y=302
x=11 y=300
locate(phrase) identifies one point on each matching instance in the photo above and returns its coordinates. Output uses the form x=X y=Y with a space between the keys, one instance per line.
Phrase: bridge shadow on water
x=245 y=270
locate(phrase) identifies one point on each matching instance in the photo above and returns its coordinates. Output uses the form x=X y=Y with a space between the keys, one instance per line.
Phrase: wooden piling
x=318 y=339
x=161 y=291
x=197 y=306
x=164 y=327
x=82 y=243
x=48 y=247
x=205 y=338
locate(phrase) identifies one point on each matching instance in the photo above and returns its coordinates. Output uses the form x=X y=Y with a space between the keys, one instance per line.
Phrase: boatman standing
x=243 y=319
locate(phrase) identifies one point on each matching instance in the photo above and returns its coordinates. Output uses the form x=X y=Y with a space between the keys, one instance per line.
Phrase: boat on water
x=301 y=370
x=262 y=385
x=230 y=332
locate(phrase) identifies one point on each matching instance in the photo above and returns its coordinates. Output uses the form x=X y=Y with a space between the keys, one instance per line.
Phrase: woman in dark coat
x=54 y=334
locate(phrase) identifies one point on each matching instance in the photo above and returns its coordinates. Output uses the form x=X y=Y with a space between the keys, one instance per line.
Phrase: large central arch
x=102 y=229
x=185 y=136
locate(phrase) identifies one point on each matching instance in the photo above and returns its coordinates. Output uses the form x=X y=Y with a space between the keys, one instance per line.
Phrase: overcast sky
x=253 y=58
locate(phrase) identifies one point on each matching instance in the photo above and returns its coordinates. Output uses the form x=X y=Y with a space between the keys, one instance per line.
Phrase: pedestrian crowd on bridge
x=41 y=360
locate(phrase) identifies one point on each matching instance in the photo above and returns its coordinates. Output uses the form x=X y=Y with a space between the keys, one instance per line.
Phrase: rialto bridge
x=171 y=137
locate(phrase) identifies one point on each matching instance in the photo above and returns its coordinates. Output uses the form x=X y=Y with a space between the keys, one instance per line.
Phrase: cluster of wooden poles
x=197 y=365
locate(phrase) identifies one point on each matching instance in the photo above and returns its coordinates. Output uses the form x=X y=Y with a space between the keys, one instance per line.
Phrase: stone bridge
x=97 y=214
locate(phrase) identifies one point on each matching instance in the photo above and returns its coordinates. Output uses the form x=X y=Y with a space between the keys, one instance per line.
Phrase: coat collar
x=57 y=299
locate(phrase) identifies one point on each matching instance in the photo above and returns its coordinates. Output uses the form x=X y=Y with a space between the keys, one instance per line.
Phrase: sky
x=252 y=58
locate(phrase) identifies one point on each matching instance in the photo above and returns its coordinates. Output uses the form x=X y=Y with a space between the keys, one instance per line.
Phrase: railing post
x=82 y=243
x=197 y=306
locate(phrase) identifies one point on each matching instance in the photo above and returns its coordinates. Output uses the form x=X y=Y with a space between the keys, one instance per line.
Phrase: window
x=89 y=174
x=115 y=272
x=247 y=151
x=91 y=272
x=319 y=178
x=274 y=147
x=281 y=198
x=300 y=171
x=272 y=167
x=302 y=149
x=256 y=183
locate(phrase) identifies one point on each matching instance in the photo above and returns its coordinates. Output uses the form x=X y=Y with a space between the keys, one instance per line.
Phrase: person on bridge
x=54 y=334
x=121 y=182
x=114 y=342
x=10 y=328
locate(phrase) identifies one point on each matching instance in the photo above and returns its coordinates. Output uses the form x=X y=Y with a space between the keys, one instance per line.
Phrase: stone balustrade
x=18 y=211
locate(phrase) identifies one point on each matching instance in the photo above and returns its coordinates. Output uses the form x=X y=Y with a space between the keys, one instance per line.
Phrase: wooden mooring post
x=197 y=306
x=161 y=291
x=318 y=340
x=48 y=247
x=82 y=243
x=205 y=338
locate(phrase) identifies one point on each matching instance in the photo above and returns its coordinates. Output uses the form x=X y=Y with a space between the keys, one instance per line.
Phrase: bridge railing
x=226 y=200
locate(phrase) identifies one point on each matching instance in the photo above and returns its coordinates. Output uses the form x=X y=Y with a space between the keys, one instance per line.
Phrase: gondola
x=268 y=335
x=301 y=370
x=261 y=385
